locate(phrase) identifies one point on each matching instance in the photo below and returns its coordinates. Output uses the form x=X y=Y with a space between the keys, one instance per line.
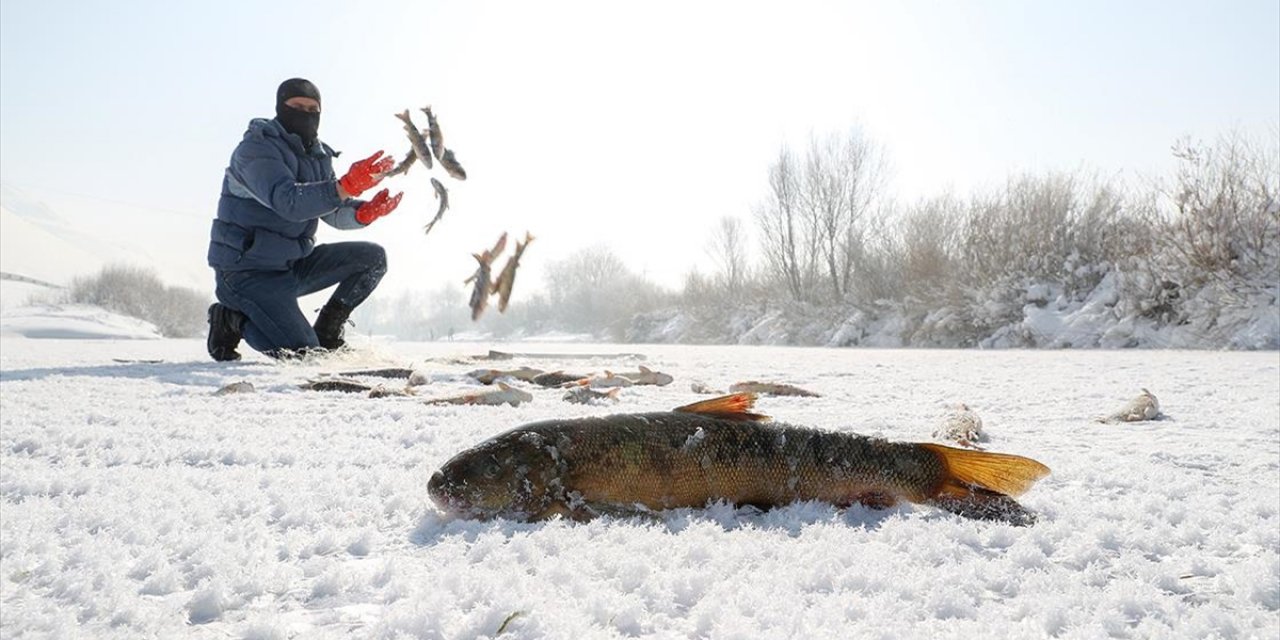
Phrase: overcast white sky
x=637 y=125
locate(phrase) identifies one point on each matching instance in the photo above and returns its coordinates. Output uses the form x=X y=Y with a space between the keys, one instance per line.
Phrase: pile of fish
x=579 y=388
x=485 y=285
x=423 y=144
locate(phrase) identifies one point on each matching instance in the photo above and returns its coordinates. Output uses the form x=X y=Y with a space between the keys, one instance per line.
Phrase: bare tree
x=842 y=179
x=927 y=246
x=728 y=251
x=782 y=235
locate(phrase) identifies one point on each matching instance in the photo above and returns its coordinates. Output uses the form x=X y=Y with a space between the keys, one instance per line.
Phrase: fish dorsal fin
x=613 y=393
x=644 y=369
x=735 y=406
x=504 y=386
x=608 y=373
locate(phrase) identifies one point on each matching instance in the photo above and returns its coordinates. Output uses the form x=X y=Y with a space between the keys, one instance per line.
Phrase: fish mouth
x=437 y=488
x=441 y=492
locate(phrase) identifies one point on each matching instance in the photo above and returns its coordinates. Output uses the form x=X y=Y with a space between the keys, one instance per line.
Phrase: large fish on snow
x=717 y=450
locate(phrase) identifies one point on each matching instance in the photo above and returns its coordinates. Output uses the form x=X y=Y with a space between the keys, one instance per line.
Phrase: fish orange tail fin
x=979 y=484
x=999 y=472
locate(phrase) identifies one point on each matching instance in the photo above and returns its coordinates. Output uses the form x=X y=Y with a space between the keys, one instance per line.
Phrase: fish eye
x=491 y=469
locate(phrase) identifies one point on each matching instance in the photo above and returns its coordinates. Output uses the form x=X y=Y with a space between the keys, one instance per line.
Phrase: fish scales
x=668 y=460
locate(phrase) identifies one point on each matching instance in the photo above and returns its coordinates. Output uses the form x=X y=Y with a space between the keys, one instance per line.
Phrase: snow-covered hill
x=78 y=236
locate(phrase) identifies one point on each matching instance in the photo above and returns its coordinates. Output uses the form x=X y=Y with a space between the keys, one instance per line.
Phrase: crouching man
x=279 y=185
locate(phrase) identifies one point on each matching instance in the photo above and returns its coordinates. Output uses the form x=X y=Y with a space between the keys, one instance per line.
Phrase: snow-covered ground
x=135 y=503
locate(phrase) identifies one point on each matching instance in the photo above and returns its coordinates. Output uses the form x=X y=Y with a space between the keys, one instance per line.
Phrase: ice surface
x=135 y=503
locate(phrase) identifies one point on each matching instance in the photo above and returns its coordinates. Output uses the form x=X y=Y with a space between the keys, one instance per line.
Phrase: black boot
x=226 y=327
x=330 y=323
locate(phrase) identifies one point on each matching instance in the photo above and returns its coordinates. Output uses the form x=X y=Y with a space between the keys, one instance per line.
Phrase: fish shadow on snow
x=183 y=373
x=436 y=526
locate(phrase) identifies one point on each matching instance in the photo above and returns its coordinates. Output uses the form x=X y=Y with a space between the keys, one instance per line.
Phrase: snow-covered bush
x=178 y=312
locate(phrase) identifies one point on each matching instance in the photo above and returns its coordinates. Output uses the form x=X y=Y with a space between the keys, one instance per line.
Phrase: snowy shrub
x=178 y=312
x=1221 y=219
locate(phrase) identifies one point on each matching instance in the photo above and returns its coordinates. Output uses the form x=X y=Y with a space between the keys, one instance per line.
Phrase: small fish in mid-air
x=556 y=379
x=416 y=141
x=1143 y=407
x=482 y=277
x=451 y=165
x=504 y=394
x=442 y=195
x=717 y=450
x=648 y=376
x=404 y=165
x=771 y=389
x=499 y=246
x=507 y=279
x=434 y=135
x=962 y=426
x=587 y=395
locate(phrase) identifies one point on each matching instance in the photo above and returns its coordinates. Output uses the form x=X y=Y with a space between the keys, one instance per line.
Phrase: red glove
x=365 y=173
x=379 y=206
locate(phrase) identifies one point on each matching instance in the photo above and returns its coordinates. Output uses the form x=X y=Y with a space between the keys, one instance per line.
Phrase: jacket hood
x=271 y=128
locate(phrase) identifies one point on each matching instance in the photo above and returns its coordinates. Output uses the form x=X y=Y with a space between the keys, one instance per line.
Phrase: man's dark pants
x=269 y=299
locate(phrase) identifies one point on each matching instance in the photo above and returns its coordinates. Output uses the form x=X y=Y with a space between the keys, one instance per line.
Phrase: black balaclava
x=303 y=123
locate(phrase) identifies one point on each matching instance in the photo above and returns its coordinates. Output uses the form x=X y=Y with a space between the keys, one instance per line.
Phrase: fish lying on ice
x=648 y=376
x=389 y=372
x=235 y=387
x=717 y=450
x=771 y=389
x=607 y=381
x=343 y=385
x=489 y=376
x=1143 y=407
x=587 y=395
x=556 y=378
x=504 y=394
x=962 y=426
